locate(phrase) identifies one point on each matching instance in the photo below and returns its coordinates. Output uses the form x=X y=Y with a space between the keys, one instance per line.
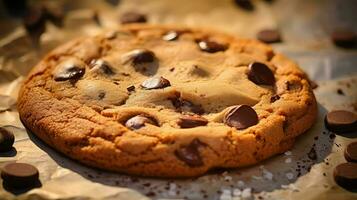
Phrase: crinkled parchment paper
x=305 y=172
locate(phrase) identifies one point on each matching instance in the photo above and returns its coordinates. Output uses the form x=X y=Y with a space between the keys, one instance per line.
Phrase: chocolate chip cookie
x=167 y=101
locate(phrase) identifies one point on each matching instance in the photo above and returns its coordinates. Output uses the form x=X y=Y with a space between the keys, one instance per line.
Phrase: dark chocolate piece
x=241 y=117
x=20 y=175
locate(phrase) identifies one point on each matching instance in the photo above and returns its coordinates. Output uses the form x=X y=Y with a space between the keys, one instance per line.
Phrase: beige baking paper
x=305 y=26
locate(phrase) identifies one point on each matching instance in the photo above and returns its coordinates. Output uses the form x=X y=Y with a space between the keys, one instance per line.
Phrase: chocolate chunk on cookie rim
x=241 y=117
x=155 y=83
x=260 y=74
x=191 y=121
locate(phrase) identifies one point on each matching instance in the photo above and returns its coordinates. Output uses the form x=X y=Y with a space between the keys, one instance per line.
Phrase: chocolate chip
x=340 y=92
x=351 y=152
x=139 y=121
x=171 y=36
x=101 y=66
x=19 y=175
x=241 y=117
x=345 y=175
x=245 y=4
x=341 y=121
x=6 y=140
x=211 y=46
x=34 y=22
x=131 y=88
x=68 y=71
x=155 y=83
x=269 y=36
x=274 y=98
x=139 y=56
x=133 y=17
x=186 y=106
x=260 y=74
x=190 y=154
x=344 y=38
x=190 y=121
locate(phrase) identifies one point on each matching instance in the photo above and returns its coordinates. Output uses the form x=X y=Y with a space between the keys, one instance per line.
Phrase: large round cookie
x=167 y=101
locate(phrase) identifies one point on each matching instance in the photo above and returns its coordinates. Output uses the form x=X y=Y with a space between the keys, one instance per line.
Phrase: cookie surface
x=167 y=101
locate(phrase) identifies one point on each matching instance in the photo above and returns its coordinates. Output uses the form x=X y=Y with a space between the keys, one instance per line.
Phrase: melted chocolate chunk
x=19 y=175
x=139 y=121
x=139 y=56
x=155 y=83
x=133 y=17
x=351 y=152
x=269 y=36
x=171 y=36
x=190 y=121
x=260 y=74
x=186 y=106
x=190 y=154
x=344 y=38
x=102 y=66
x=341 y=121
x=69 y=71
x=211 y=46
x=274 y=98
x=241 y=117
x=7 y=139
x=345 y=175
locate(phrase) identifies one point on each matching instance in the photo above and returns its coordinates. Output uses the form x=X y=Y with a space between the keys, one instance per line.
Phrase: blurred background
x=316 y=33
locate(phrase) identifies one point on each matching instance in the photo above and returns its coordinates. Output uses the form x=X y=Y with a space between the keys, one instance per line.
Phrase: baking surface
x=305 y=27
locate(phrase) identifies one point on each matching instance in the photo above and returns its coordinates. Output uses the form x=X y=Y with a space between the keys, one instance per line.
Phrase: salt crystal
x=247 y=194
x=289 y=175
x=237 y=192
x=268 y=175
x=226 y=195
x=228 y=178
x=257 y=177
x=288 y=153
x=226 y=191
x=291 y=187
x=288 y=160
x=172 y=190
x=240 y=184
x=172 y=186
